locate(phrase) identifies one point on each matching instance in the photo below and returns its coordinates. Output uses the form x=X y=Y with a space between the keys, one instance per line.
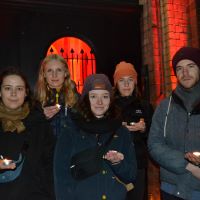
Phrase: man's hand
x=193 y=158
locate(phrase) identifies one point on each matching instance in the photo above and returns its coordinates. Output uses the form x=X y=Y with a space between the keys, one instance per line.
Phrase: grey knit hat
x=189 y=53
x=96 y=82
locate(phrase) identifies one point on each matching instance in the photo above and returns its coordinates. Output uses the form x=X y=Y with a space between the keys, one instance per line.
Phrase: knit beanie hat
x=96 y=82
x=189 y=53
x=124 y=69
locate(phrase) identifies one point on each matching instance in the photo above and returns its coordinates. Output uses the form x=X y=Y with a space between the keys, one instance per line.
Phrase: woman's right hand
x=138 y=126
x=50 y=111
x=12 y=165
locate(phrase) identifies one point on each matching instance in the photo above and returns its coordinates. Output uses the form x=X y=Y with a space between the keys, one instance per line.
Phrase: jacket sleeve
x=167 y=157
x=127 y=169
x=148 y=113
x=62 y=176
x=46 y=160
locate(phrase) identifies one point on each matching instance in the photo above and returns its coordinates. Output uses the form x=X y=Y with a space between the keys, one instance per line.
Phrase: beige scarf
x=11 y=119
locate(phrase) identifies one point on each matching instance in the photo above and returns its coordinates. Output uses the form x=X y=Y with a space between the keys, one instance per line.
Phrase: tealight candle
x=196 y=153
x=58 y=106
x=6 y=162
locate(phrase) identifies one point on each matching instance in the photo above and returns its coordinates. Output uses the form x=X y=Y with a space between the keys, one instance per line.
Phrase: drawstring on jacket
x=168 y=108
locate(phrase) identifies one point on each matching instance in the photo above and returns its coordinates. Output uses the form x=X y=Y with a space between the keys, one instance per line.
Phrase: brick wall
x=167 y=26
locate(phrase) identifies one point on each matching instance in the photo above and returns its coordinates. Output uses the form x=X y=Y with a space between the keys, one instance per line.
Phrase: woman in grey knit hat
x=95 y=159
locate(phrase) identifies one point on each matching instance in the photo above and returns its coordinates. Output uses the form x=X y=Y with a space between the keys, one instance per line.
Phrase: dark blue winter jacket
x=103 y=185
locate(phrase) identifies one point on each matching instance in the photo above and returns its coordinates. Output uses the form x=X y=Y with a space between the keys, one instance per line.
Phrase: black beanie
x=96 y=82
x=189 y=53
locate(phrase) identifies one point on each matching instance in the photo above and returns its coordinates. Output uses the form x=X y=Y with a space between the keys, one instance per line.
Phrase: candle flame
x=6 y=161
x=58 y=105
x=196 y=153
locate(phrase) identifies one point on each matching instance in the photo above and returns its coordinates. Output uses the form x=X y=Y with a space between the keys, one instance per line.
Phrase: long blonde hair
x=41 y=89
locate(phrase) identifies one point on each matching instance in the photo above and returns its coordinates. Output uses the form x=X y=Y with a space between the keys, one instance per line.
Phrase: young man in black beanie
x=174 y=139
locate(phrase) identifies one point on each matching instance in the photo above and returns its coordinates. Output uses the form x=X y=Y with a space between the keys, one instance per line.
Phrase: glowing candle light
x=196 y=153
x=141 y=119
x=6 y=162
x=58 y=105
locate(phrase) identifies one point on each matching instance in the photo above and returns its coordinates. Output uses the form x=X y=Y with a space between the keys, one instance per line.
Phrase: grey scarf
x=190 y=97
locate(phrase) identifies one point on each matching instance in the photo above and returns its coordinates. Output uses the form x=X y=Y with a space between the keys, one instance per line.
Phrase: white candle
x=58 y=106
x=6 y=162
x=196 y=153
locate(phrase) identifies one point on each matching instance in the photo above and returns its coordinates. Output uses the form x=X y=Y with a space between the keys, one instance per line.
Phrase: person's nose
x=99 y=100
x=126 y=83
x=54 y=74
x=185 y=72
x=13 y=92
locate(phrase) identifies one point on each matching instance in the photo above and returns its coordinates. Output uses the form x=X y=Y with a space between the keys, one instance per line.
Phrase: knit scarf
x=12 y=119
x=97 y=125
x=190 y=97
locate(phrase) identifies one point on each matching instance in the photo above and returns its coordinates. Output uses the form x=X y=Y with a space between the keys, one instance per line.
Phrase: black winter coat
x=133 y=109
x=35 y=181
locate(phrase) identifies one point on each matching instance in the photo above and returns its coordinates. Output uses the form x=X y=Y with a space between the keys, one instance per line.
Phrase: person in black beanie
x=95 y=159
x=174 y=139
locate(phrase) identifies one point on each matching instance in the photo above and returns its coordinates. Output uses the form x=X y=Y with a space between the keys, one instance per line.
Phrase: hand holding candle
x=58 y=106
x=193 y=157
x=50 y=111
x=114 y=157
x=136 y=126
x=6 y=163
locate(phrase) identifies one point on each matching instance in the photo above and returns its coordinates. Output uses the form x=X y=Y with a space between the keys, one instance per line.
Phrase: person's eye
x=130 y=80
x=92 y=96
x=20 y=89
x=106 y=96
x=192 y=66
x=59 y=70
x=178 y=69
x=49 y=71
x=7 y=88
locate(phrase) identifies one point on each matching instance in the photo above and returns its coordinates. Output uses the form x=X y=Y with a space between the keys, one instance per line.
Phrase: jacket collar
x=178 y=100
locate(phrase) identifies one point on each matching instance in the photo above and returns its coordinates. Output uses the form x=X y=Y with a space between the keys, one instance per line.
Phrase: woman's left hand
x=114 y=157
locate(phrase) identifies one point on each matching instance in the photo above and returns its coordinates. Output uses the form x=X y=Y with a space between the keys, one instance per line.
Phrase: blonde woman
x=55 y=91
